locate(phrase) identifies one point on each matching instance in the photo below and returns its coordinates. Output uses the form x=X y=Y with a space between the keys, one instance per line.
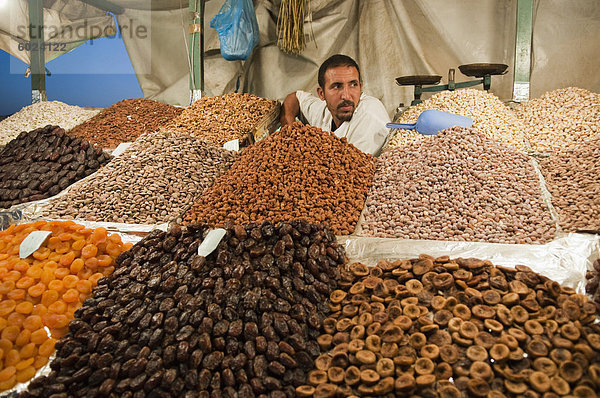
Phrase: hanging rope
x=290 y=26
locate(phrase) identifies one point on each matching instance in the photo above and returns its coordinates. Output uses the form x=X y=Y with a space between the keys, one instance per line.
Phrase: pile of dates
x=41 y=163
x=241 y=322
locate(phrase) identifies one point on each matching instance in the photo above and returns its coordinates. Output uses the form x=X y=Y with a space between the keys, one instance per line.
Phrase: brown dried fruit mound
x=300 y=172
x=171 y=323
x=573 y=178
x=223 y=118
x=41 y=163
x=397 y=344
x=125 y=121
x=461 y=186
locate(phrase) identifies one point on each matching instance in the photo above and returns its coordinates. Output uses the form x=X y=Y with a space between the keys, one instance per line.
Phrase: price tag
x=121 y=148
x=233 y=145
x=32 y=242
x=210 y=243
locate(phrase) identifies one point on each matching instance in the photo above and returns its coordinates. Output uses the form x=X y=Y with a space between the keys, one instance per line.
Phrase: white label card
x=233 y=145
x=210 y=243
x=32 y=242
x=121 y=148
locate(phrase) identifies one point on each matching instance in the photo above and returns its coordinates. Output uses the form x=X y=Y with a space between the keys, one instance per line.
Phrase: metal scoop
x=431 y=122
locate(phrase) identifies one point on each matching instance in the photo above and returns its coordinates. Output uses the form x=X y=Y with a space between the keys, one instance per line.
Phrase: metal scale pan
x=418 y=80
x=482 y=70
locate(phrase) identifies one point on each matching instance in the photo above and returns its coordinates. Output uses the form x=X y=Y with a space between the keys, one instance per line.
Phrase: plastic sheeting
x=565 y=259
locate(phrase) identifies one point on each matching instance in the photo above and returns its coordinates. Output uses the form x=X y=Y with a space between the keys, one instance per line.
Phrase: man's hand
x=290 y=109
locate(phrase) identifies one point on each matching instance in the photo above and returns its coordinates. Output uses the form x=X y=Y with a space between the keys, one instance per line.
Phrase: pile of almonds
x=459 y=185
x=241 y=322
x=561 y=119
x=300 y=172
x=430 y=327
x=572 y=177
x=41 y=163
x=223 y=118
x=125 y=121
x=593 y=280
x=155 y=180
x=490 y=116
x=42 y=114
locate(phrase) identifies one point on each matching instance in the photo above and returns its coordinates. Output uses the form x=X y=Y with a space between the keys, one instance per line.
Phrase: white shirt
x=366 y=130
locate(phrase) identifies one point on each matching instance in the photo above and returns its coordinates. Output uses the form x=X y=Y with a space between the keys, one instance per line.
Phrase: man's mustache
x=345 y=103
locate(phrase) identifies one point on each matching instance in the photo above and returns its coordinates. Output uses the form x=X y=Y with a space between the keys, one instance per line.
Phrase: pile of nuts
x=432 y=327
x=39 y=294
x=489 y=114
x=42 y=114
x=460 y=185
x=43 y=162
x=155 y=180
x=125 y=121
x=300 y=172
x=241 y=322
x=572 y=179
x=561 y=119
x=593 y=280
x=223 y=118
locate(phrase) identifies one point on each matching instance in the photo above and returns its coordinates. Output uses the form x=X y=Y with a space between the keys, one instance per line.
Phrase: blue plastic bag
x=237 y=28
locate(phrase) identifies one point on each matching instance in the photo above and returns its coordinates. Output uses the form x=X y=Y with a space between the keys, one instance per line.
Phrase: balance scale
x=483 y=72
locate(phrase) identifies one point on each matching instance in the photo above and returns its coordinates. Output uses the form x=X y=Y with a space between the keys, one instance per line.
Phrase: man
x=341 y=107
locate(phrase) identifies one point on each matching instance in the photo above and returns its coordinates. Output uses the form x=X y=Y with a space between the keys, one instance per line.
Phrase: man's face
x=341 y=92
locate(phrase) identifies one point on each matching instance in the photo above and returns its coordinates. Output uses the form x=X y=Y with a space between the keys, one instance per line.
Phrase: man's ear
x=320 y=92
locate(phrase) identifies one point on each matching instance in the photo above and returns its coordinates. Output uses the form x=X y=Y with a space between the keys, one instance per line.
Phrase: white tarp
x=388 y=38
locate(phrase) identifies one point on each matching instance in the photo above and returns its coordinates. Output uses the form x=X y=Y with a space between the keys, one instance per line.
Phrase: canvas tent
x=388 y=38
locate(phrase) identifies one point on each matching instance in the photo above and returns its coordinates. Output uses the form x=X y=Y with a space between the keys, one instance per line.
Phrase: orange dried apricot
x=29 y=350
x=12 y=357
x=98 y=235
x=10 y=332
x=104 y=260
x=21 y=266
x=70 y=281
x=5 y=345
x=7 y=306
x=61 y=272
x=94 y=278
x=3 y=323
x=77 y=265
x=91 y=263
x=6 y=286
x=108 y=270
x=84 y=286
x=24 y=307
x=89 y=251
x=47 y=347
x=16 y=294
x=57 y=307
x=32 y=322
x=67 y=258
x=25 y=282
x=23 y=338
x=35 y=272
x=49 y=297
x=65 y=236
x=12 y=276
x=7 y=373
x=85 y=273
x=7 y=384
x=71 y=296
x=78 y=244
x=36 y=290
x=26 y=373
x=39 y=336
x=41 y=254
x=15 y=319
x=39 y=309
x=56 y=285
x=24 y=363
x=40 y=361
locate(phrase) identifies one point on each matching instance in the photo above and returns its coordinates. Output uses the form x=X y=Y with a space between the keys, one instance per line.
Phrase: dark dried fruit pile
x=432 y=327
x=300 y=172
x=243 y=320
x=593 y=279
x=125 y=121
x=41 y=163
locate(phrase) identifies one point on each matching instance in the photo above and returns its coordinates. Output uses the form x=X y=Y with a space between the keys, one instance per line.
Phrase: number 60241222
x=42 y=46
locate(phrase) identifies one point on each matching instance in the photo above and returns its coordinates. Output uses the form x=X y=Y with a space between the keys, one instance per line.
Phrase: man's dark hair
x=333 y=62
